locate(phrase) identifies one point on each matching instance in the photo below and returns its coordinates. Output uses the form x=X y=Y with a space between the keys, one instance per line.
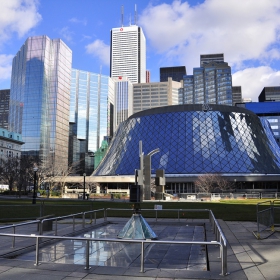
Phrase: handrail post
x=221 y=248
x=87 y=255
x=105 y=214
x=142 y=257
x=156 y=215
x=94 y=217
x=14 y=238
x=37 y=251
x=224 y=259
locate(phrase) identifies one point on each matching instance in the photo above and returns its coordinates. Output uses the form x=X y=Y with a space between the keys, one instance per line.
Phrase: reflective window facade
x=92 y=98
x=176 y=73
x=193 y=140
x=123 y=100
x=4 y=108
x=39 y=104
x=270 y=94
x=269 y=111
x=211 y=83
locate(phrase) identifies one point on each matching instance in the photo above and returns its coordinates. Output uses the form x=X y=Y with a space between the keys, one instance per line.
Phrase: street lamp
x=35 y=169
x=84 y=194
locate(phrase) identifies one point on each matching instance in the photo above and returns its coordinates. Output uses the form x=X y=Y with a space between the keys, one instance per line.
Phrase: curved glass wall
x=194 y=139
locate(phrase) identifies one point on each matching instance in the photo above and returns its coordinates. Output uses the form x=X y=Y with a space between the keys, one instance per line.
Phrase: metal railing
x=73 y=217
x=220 y=237
x=266 y=218
x=40 y=222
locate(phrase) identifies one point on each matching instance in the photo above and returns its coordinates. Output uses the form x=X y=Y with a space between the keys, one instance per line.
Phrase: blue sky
x=177 y=32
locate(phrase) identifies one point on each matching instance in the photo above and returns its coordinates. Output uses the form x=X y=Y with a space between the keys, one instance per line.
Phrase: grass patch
x=228 y=210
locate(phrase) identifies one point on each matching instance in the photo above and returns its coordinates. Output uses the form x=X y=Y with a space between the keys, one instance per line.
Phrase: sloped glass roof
x=192 y=140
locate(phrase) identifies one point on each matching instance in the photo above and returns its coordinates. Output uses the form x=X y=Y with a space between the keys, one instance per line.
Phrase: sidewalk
x=248 y=258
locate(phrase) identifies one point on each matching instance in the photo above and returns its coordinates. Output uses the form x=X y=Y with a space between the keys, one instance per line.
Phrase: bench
x=47 y=225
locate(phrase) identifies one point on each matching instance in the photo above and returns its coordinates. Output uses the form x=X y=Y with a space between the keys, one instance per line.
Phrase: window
x=272 y=120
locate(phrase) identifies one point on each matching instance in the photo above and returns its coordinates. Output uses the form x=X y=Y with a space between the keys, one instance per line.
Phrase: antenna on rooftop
x=122 y=16
x=135 y=15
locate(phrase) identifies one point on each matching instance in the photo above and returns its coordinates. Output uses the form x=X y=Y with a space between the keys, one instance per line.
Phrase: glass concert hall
x=194 y=140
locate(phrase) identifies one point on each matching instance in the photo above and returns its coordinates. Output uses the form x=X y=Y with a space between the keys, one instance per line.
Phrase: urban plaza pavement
x=248 y=258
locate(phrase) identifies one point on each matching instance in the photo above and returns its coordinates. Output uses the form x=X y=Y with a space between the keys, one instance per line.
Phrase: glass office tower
x=4 y=107
x=39 y=102
x=91 y=116
x=176 y=73
x=123 y=100
x=270 y=94
x=210 y=83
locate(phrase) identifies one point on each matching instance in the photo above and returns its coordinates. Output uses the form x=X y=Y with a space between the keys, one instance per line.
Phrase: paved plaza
x=248 y=258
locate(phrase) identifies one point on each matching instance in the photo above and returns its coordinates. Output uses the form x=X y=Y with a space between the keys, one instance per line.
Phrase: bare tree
x=9 y=171
x=223 y=184
x=208 y=183
x=93 y=186
x=61 y=174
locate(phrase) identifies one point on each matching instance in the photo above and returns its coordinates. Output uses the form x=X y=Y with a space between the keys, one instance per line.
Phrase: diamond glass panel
x=223 y=139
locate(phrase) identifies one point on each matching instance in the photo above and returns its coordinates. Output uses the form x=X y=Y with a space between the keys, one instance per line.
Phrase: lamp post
x=35 y=169
x=84 y=194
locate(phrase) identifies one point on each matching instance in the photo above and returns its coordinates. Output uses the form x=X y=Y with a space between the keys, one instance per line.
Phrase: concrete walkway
x=248 y=258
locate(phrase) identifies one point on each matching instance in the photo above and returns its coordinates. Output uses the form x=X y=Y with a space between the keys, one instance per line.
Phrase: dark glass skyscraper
x=4 y=107
x=176 y=73
x=270 y=94
x=211 y=83
x=40 y=97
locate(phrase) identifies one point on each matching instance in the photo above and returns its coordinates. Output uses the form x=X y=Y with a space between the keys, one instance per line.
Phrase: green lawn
x=230 y=210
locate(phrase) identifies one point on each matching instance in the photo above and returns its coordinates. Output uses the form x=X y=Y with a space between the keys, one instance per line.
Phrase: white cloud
x=100 y=50
x=66 y=34
x=253 y=80
x=247 y=32
x=17 y=16
x=5 y=66
x=75 y=20
x=244 y=31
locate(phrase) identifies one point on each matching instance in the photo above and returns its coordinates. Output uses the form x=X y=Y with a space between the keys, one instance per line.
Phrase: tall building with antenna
x=128 y=52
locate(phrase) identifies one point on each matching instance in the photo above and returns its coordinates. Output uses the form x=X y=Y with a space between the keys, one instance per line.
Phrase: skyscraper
x=91 y=116
x=4 y=107
x=123 y=100
x=39 y=99
x=151 y=95
x=236 y=95
x=210 y=83
x=270 y=94
x=176 y=73
x=128 y=53
x=208 y=58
